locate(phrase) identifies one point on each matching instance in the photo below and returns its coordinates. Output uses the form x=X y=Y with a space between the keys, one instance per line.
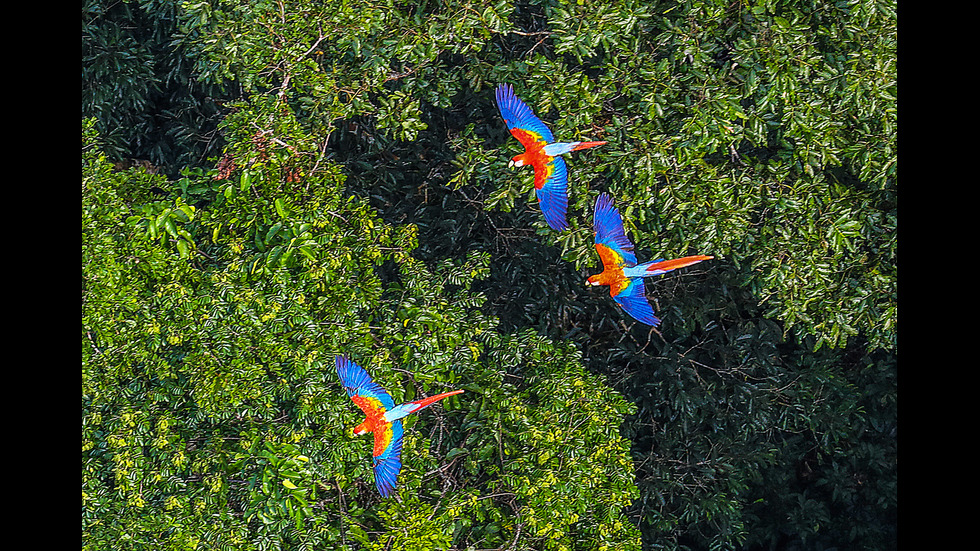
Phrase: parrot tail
x=401 y=410
x=658 y=267
x=586 y=145
x=426 y=402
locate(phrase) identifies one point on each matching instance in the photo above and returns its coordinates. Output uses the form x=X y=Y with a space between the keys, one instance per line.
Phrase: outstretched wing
x=551 y=187
x=633 y=299
x=363 y=391
x=387 y=457
x=521 y=121
x=615 y=249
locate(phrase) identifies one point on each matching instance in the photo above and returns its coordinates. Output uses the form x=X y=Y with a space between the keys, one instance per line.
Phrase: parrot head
x=515 y=162
x=359 y=430
x=593 y=280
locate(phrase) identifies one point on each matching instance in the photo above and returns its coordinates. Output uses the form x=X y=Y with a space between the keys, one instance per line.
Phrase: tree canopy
x=330 y=178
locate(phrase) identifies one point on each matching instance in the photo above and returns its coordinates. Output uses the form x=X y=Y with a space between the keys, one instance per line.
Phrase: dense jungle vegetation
x=269 y=183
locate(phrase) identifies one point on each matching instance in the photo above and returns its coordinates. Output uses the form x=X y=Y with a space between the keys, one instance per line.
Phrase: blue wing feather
x=517 y=114
x=609 y=231
x=357 y=382
x=634 y=301
x=553 y=196
x=389 y=463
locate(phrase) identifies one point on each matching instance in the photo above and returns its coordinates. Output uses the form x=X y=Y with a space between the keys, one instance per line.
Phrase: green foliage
x=212 y=415
x=362 y=205
x=138 y=84
x=736 y=431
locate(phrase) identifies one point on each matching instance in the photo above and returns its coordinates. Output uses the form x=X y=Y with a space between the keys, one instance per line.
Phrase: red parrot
x=541 y=152
x=383 y=418
x=619 y=269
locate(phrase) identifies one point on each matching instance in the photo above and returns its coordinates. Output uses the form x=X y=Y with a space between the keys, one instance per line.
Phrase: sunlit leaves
x=165 y=222
x=241 y=347
x=546 y=435
x=400 y=116
x=281 y=484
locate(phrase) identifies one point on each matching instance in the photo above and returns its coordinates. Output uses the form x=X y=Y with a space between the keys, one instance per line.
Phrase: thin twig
x=522 y=33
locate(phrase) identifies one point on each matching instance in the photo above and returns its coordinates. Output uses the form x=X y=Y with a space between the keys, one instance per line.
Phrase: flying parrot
x=619 y=268
x=383 y=418
x=541 y=152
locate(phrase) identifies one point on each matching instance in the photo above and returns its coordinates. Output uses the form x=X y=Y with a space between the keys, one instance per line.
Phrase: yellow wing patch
x=609 y=257
x=382 y=438
x=527 y=137
x=368 y=404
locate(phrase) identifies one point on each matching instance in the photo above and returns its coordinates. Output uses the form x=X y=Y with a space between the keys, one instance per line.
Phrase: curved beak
x=510 y=164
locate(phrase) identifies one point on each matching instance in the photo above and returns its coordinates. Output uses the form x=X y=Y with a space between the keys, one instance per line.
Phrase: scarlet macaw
x=382 y=418
x=541 y=152
x=619 y=269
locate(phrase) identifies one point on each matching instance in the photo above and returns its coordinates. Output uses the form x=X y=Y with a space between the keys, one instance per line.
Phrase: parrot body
x=381 y=417
x=541 y=152
x=619 y=268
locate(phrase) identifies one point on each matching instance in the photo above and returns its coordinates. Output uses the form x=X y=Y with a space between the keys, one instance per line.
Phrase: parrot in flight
x=383 y=418
x=541 y=152
x=619 y=268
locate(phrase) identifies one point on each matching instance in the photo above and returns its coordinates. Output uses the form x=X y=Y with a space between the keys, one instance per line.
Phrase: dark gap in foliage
x=148 y=102
x=531 y=22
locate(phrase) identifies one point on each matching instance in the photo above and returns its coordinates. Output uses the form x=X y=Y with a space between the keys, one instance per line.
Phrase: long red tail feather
x=432 y=399
x=586 y=145
x=668 y=265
